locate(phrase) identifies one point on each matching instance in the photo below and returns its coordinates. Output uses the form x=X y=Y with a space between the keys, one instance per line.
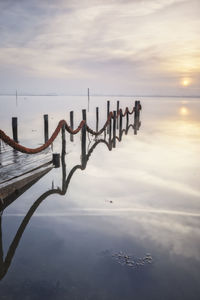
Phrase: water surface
x=137 y=201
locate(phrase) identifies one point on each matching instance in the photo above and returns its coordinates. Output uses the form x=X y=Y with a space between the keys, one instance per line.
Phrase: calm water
x=127 y=226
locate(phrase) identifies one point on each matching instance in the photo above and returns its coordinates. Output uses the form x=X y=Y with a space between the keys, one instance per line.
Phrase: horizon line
x=97 y=95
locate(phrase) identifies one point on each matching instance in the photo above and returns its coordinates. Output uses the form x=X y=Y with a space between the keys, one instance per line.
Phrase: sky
x=126 y=47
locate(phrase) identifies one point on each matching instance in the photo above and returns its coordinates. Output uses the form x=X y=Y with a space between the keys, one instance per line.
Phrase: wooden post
x=56 y=160
x=15 y=129
x=127 y=121
x=63 y=158
x=136 y=116
x=108 y=111
x=46 y=128
x=63 y=140
x=114 y=128
x=137 y=108
x=97 y=118
x=72 y=125
x=83 y=140
x=117 y=114
x=120 y=125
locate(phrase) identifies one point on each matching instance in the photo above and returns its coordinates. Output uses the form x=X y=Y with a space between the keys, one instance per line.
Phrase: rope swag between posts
x=64 y=124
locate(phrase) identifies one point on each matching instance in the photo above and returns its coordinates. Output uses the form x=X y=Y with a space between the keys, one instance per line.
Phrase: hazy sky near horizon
x=139 y=47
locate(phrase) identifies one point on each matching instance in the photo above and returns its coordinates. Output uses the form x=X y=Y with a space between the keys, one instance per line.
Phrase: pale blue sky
x=138 y=47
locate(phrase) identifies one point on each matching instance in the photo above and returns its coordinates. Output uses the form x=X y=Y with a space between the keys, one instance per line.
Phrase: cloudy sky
x=138 y=47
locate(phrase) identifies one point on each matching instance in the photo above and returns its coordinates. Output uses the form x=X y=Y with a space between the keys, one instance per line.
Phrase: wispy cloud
x=86 y=40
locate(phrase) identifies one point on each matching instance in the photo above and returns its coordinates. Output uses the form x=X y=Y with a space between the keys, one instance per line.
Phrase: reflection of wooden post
x=117 y=114
x=108 y=111
x=120 y=125
x=14 y=129
x=114 y=128
x=97 y=118
x=72 y=125
x=83 y=140
x=46 y=128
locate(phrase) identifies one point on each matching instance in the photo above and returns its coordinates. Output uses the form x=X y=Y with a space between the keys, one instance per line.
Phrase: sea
x=124 y=227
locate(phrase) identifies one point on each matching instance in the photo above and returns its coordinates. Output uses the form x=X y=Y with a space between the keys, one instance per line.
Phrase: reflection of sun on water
x=183 y=111
x=186 y=81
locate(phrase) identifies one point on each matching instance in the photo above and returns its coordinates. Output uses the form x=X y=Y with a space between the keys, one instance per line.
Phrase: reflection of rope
x=11 y=251
x=62 y=123
x=22 y=227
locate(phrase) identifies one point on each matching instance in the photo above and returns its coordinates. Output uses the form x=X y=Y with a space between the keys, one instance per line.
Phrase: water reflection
x=110 y=143
x=184 y=111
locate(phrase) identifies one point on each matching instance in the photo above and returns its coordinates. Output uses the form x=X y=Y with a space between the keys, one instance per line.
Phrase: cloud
x=95 y=38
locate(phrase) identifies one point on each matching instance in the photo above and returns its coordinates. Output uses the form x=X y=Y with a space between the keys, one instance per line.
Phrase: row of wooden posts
x=46 y=121
x=117 y=124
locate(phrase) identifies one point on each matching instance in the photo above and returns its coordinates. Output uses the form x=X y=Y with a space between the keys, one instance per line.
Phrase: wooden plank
x=14 y=163
x=11 y=190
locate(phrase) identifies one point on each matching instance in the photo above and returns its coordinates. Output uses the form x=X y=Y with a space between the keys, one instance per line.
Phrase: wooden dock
x=19 y=171
x=14 y=164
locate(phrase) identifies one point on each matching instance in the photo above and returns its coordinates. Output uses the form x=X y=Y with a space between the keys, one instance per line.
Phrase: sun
x=186 y=81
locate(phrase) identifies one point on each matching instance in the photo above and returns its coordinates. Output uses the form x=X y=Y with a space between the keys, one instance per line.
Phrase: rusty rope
x=102 y=129
x=23 y=149
x=111 y=115
x=62 y=123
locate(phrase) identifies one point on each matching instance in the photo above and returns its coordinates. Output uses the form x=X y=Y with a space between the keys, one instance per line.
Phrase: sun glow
x=186 y=81
x=184 y=111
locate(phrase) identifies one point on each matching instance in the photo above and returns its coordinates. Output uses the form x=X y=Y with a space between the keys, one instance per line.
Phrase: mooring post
x=114 y=128
x=63 y=140
x=137 y=108
x=139 y=105
x=56 y=160
x=63 y=164
x=117 y=114
x=127 y=121
x=71 y=125
x=108 y=111
x=120 y=125
x=110 y=131
x=15 y=129
x=46 y=128
x=136 y=117
x=83 y=140
x=97 y=118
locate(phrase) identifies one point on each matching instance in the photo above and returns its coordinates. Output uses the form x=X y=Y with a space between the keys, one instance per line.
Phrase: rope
x=62 y=123
x=23 y=149
x=102 y=129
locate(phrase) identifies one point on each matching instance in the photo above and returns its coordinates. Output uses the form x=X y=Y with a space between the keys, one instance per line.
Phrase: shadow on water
x=109 y=143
